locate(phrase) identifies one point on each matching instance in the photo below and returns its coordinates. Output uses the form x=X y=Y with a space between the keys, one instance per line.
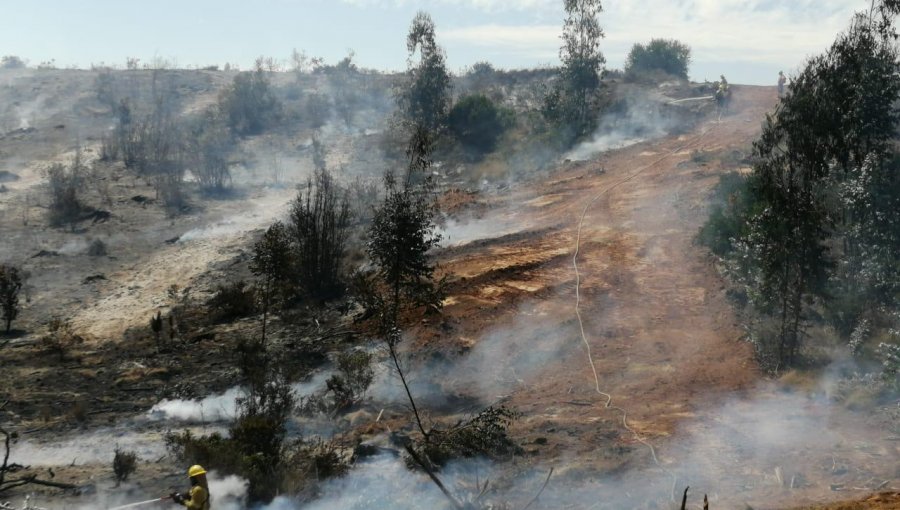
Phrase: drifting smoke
x=643 y=119
x=223 y=407
x=213 y=408
x=260 y=214
x=75 y=246
x=456 y=232
x=94 y=447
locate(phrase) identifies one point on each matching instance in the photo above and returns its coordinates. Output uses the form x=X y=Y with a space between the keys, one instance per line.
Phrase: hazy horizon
x=749 y=41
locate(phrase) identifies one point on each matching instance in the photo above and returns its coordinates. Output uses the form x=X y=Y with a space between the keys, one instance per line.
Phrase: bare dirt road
x=664 y=339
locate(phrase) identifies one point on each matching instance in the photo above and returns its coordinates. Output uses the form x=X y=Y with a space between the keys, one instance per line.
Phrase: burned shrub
x=65 y=183
x=10 y=285
x=124 y=464
x=486 y=434
x=97 y=248
x=232 y=301
x=311 y=461
x=60 y=337
x=343 y=389
x=210 y=145
x=317 y=109
x=319 y=225
x=11 y=62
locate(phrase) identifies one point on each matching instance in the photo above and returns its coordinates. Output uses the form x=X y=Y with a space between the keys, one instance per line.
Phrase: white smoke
x=222 y=407
x=643 y=120
x=229 y=493
x=213 y=408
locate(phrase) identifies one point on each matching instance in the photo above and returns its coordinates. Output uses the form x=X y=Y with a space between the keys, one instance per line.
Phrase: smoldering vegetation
x=285 y=329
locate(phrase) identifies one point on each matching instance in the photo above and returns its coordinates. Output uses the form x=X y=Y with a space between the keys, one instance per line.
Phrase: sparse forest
x=454 y=286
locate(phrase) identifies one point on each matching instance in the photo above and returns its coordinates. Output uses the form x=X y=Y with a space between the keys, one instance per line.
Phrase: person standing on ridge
x=198 y=498
x=781 y=81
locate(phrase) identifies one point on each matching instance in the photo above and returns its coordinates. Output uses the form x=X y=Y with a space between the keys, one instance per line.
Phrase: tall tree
x=402 y=234
x=821 y=221
x=271 y=263
x=426 y=99
x=575 y=98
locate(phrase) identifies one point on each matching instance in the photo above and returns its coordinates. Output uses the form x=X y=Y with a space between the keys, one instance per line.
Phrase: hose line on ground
x=587 y=345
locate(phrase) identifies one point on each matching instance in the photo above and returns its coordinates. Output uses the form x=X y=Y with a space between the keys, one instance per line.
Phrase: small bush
x=319 y=224
x=486 y=434
x=477 y=123
x=60 y=337
x=124 y=464
x=317 y=110
x=354 y=376
x=669 y=56
x=232 y=301
x=97 y=248
x=730 y=199
x=65 y=185
x=11 y=62
x=10 y=286
x=210 y=144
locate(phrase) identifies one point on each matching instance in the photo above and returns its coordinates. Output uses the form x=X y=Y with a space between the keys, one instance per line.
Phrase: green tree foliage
x=403 y=232
x=666 y=55
x=271 y=264
x=425 y=100
x=10 y=286
x=248 y=104
x=401 y=235
x=256 y=446
x=477 y=123
x=818 y=223
x=574 y=100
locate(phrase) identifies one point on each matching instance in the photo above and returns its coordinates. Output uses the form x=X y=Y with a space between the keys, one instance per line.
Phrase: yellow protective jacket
x=198 y=499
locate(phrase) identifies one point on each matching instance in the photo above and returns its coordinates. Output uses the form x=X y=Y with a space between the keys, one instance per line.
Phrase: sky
x=747 y=40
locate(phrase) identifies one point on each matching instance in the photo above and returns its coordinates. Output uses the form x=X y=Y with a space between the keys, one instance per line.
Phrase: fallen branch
x=536 y=496
x=437 y=481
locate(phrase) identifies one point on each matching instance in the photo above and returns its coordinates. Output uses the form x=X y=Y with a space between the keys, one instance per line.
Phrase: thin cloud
x=758 y=32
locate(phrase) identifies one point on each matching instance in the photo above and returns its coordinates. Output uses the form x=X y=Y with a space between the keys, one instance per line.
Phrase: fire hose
x=607 y=396
x=701 y=98
x=142 y=503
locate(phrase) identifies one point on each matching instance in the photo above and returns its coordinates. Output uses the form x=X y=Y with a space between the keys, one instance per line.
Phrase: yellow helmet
x=196 y=471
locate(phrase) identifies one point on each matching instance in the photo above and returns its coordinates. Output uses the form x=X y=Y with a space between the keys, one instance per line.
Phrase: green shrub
x=725 y=224
x=666 y=55
x=477 y=123
x=354 y=376
x=248 y=105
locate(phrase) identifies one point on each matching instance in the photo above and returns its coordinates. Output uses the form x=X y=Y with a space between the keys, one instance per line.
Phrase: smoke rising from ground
x=640 y=118
x=223 y=407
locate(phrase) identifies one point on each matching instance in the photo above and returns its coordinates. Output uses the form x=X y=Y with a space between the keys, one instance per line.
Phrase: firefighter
x=723 y=85
x=198 y=497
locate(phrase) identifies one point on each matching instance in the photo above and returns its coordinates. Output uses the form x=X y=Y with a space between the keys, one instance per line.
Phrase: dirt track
x=664 y=338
